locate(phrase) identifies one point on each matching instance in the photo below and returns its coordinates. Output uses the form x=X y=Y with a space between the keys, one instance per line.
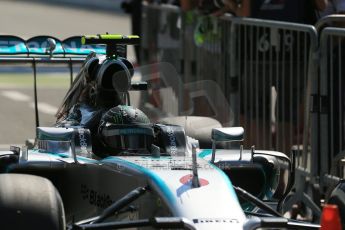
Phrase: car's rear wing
x=47 y=46
x=45 y=49
x=51 y=50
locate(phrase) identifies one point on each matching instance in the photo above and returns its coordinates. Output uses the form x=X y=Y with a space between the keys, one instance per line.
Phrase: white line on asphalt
x=45 y=108
x=18 y=96
x=15 y=95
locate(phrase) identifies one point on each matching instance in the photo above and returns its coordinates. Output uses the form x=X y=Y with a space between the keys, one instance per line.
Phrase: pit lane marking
x=45 y=108
x=21 y=97
x=15 y=95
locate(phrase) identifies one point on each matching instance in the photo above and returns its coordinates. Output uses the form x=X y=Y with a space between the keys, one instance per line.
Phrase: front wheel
x=30 y=202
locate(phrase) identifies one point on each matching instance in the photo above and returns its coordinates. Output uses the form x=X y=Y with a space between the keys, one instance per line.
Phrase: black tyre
x=30 y=202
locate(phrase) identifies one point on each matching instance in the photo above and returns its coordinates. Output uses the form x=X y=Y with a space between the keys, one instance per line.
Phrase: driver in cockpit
x=95 y=102
x=124 y=130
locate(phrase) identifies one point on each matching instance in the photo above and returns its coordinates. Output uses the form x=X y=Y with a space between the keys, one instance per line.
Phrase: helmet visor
x=128 y=137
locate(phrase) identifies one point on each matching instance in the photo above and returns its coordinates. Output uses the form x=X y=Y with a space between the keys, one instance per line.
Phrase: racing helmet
x=125 y=130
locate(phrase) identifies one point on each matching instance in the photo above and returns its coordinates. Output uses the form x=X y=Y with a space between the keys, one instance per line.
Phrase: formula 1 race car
x=109 y=165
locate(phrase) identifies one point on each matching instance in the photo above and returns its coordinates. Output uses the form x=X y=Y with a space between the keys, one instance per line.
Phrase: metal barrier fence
x=261 y=67
x=333 y=20
x=271 y=61
x=274 y=65
x=332 y=118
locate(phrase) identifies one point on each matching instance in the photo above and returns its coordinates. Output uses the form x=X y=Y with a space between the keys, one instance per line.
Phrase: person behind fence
x=328 y=7
x=134 y=7
x=306 y=11
x=217 y=7
x=205 y=34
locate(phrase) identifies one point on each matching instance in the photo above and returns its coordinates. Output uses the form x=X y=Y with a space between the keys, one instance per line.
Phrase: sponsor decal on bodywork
x=84 y=140
x=94 y=197
x=187 y=179
x=215 y=220
x=172 y=141
x=186 y=182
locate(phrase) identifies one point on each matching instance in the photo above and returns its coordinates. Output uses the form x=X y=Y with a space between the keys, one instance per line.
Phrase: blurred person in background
x=296 y=11
x=134 y=8
x=204 y=34
x=218 y=7
x=284 y=10
x=327 y=7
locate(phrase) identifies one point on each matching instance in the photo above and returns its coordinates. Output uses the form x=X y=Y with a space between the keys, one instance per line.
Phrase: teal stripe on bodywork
x=153 y=176
x=12 y=45
x=205 y=153
x=73 y=46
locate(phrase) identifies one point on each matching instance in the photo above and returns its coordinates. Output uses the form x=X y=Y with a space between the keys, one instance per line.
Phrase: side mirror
x=228 y=134
x=75 y=140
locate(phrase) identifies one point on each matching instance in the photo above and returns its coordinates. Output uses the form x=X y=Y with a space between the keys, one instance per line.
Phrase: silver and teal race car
x=107 y=164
